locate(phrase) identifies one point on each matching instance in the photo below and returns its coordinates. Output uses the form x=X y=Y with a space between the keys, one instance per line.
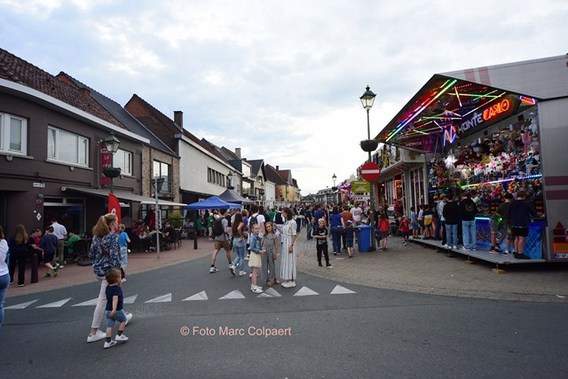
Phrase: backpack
x=252 y=222
x=278 y=218
x=218 y=229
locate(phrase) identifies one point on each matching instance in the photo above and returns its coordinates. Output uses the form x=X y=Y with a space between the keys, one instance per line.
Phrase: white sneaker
x=99 y=335
x=455 y=247
x=291 y=284
x=128 y=318
x=242 y=273
x=255 y=289
x=121 y=338
x=110 y=344
x=213 y=269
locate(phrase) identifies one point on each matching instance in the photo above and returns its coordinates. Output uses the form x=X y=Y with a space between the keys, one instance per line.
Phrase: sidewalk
x=411 y=268
x=73 y=274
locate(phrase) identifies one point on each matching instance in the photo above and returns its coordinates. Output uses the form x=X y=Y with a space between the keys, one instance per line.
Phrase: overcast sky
x=280 y=79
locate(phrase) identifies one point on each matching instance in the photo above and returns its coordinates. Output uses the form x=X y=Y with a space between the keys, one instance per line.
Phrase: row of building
x=61 y=143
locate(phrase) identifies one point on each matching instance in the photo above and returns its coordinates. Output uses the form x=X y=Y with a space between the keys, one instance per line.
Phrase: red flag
x=114 y=206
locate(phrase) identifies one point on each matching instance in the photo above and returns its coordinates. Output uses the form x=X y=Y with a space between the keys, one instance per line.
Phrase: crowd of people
x=452 y=220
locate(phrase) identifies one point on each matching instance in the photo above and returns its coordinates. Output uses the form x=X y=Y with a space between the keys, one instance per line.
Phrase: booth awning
x=123 y=196
x=456 y=104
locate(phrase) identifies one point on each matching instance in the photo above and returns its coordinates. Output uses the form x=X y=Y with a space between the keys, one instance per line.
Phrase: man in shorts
x=520 y=214
x=221 y=242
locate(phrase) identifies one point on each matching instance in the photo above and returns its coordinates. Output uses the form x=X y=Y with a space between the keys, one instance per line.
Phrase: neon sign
x=496 y=109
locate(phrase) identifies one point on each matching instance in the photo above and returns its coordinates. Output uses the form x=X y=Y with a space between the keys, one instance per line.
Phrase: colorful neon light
x=497 y=109
x=504 y=180
x=445 y=87
x=527 y=100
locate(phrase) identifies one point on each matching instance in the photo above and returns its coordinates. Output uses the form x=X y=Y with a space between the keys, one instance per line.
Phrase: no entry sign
x=370 y=172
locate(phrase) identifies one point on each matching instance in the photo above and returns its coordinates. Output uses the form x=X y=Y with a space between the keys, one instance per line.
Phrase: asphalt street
x=189 y=323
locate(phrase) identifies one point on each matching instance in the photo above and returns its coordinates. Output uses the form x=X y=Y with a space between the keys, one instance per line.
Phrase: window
x=13 y=134
x=67 y=147
x=215 y=177
x=123 y=159
x=162 y=170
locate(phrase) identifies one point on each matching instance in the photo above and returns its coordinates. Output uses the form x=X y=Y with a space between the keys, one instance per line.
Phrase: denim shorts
x=119 y=316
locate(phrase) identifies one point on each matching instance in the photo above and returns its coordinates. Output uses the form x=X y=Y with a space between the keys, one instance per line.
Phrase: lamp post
x=334 y=188
x=111 y=145
x=369 y=145
x=157 y=184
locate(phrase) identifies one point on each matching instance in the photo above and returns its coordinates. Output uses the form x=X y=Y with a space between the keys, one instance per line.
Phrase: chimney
x=277 y=168
x=238 y=152
x=178 y=119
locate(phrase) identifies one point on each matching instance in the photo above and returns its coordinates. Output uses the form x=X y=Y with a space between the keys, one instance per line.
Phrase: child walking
x=255 y=260
x=404 y=228
x=320 y=234
x=113 y=310
x=270 y=243
x=349 y=232
x=384 y=226
x=123 y=242
x=239 y=245
x=414 y=222
x=49 y=243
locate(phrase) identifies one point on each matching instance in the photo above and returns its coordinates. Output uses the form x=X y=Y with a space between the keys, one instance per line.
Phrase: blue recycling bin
x=364 y=238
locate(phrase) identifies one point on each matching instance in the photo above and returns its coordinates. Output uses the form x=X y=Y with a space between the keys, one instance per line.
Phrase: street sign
x=370 y=171
x=358 y=186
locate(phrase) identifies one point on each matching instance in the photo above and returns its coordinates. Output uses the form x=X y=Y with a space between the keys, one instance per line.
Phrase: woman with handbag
x=105 y=255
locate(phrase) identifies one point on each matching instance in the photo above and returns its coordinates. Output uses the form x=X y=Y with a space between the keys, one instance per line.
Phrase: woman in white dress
x=288 y=256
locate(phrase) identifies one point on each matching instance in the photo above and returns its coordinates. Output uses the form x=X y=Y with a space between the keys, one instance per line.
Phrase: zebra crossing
x=168 y=298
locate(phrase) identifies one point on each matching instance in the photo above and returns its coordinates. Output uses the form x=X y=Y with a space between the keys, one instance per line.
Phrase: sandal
x=268 y=284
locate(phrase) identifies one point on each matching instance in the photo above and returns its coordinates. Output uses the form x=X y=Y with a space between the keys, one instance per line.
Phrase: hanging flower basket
x=111 y=172
x=369 y=145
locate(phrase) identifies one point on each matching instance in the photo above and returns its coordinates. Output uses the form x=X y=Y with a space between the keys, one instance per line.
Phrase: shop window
x=64 y=146
x=123 y=159
x=13 y=134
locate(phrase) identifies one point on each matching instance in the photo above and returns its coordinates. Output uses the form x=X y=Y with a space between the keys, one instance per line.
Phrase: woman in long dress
x=288 y=256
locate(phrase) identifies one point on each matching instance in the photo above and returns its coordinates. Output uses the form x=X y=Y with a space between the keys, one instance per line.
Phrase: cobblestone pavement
x=410 y=268
x=415 y=268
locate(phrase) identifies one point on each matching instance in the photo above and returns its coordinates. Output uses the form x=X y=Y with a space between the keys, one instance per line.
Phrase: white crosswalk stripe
x=130 y=299
x=339 y=290
x=236 y=294
x=22 y=305
x=161 y=299
x=87 y=303
x=270 y=292
x=305 y=291
x=56 y=304
x=198 y=296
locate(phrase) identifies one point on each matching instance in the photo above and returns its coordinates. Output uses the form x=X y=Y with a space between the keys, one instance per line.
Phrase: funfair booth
x=496 y=130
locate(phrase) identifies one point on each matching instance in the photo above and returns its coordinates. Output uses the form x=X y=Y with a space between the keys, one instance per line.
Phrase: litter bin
x=364 y=238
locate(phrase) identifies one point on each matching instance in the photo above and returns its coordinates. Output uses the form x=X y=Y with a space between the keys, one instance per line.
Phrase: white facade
x=269 y=193
x=195 y=163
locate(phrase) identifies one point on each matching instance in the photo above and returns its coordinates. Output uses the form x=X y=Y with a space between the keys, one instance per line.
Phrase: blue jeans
x=469 y=234
x=4 y=282
x=119 y=316
x=308 y=230
x=336 y=233
x=452 y=234
x=240 y=252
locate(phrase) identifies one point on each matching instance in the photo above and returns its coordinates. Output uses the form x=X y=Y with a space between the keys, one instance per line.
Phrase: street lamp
x=369 y=145
x=111 y=145
x=334 y=188
x=157 y=184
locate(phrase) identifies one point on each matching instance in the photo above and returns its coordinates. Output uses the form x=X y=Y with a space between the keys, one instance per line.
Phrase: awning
x=456 y=104
x=123 y=196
